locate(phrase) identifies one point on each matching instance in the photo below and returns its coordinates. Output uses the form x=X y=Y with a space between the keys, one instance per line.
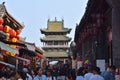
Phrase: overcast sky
x=35 y=13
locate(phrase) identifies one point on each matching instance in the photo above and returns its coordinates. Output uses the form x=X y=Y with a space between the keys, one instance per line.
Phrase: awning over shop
x=23 y=59
x=2 y=35
x=26 y=51
x=8 y=48
x=7 y=64
x=13 y=43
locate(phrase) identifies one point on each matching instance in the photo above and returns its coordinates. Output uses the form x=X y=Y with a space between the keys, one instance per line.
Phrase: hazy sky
x=35 y=13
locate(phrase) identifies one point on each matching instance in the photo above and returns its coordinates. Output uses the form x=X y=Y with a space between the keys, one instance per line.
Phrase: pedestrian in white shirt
x=89 y=73
x=50 y=75
x=80 y=74
x=96 y=72
x=29 y=77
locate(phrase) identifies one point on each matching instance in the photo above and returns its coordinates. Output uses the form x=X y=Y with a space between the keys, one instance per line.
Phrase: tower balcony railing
x=55 y=46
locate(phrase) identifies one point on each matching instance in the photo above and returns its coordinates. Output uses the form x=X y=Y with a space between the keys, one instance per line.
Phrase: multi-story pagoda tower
x=55 y=41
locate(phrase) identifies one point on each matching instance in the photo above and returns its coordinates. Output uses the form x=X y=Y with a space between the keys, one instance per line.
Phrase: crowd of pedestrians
x=57 y=72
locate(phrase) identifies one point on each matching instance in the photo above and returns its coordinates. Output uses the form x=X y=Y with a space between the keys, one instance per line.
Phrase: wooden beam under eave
x=13 y=20
x=7 y=20
x=15 y=26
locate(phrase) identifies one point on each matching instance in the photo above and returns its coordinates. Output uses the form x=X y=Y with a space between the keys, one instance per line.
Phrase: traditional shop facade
x=92 y=35
x=10 y=30
x=13 y=50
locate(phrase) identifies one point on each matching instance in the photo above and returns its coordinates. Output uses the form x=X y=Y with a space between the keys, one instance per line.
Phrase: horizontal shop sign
x=7 y=64
x=8 y=48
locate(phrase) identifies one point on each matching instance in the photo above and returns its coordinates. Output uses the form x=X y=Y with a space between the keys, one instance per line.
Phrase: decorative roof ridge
x=3 y=11
x=38 y=49
x=20 y=24
x=55 y=20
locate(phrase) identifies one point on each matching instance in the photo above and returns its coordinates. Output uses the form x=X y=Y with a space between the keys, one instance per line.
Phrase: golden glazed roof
x=55 y=26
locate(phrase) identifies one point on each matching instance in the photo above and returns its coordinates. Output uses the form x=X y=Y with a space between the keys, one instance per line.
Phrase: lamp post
x=73 y=52
x=94 y=52
x=73 y=49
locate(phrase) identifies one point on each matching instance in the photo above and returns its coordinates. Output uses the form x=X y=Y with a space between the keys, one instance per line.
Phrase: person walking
x=80 y=74
x=89 y=73
x=96 y=72
x=109 y=74
x=39 y=75
x=50 y=75
x=20 y=75
x=28 y=76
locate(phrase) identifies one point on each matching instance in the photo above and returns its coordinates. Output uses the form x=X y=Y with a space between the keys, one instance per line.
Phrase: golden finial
x=63 y=20
x=48 y=20
x=55 y=19
x=3 y=3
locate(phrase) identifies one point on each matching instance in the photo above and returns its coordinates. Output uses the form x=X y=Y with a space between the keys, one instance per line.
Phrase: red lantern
x=18 y=47
x=6 y=29
x=12 y=33
x=1 y=27
x=18 y=37
x=12 y=54
x=25 y=64
x=1 y=56
x=17 y=55
x=1 y=21
x=17 y=32
x=7 y=52
x=13 y=46
x=14 y=39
